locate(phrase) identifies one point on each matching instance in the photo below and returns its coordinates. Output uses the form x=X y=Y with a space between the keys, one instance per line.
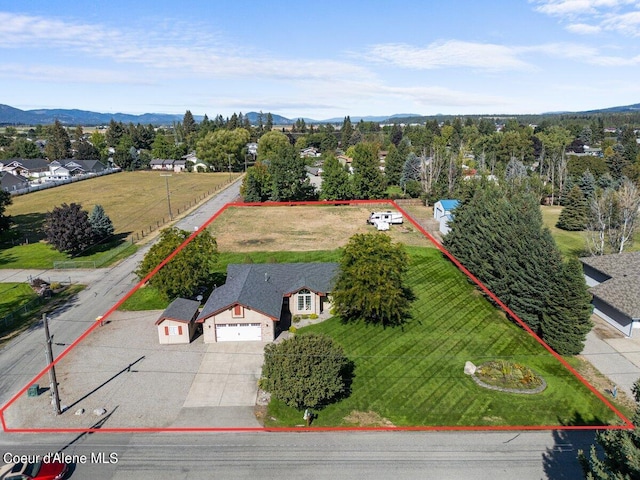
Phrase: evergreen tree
x=395 y=135
x=67 y=228
x=620 y=457
x=269 y=125
x=393 y=166
x=100 y=223
x=58 y=143
x=346 y=131
x=289 y=181
x=336 y=181
x=189 y=125
x=575 y=214
x=410 y=170
x=587 y=184
x=502 y=241
x=567 y=316
x=368 y=180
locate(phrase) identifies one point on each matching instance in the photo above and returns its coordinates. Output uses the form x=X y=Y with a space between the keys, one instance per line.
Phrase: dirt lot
x=301 y=228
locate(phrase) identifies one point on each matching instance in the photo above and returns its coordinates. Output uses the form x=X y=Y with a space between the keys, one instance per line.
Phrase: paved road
x=22 y=358
x=347 y=455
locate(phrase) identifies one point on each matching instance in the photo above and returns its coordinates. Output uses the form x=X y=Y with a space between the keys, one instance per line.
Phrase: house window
x=238 y=311
x=304 y=301
x=173 y=330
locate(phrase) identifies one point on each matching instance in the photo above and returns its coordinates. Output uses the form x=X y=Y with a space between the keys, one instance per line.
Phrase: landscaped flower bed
x=509 y=377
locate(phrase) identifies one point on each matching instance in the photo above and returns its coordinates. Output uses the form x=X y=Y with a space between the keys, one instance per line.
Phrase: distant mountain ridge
x=14 y=116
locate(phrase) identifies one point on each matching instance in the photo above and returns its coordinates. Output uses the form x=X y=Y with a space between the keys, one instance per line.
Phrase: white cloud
x=58 y=74
x=594 y=16
x=584 y=29
x=175 y=53
x=452 y=53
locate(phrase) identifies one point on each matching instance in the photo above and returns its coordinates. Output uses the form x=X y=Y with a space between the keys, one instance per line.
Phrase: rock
x=80 y=411
x=469 y=368
x=99 y=411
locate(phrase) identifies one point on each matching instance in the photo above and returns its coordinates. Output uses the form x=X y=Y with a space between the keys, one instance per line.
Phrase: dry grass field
x=301 y=228
x=133 y=200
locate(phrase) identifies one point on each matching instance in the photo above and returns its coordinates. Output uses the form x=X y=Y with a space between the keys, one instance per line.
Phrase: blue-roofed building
x=258 y=300
x=443 y=212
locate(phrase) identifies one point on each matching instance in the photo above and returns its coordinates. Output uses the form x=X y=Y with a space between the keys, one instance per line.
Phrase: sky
x=320 y=59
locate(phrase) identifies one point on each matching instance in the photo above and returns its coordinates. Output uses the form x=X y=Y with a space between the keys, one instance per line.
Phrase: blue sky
x=320 y=59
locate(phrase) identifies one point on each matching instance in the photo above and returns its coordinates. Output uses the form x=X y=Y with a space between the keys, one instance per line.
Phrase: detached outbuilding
x=177 y=324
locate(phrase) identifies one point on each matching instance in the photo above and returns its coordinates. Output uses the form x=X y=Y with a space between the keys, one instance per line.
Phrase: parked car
x=34 y=471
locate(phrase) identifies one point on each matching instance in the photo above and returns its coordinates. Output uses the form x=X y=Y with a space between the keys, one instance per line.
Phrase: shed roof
x=261 y=287
x=180 y=310
x=622 y=289
x=449 y=205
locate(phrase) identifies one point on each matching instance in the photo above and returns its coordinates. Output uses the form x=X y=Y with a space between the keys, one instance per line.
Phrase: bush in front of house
x=306 y=371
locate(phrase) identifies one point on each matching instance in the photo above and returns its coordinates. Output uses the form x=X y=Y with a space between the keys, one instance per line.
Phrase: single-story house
x=615 y=286
x=12 y=183
x=443 y=212
x=177 y=324
x=258 y=300
x=27 y=167
x=161 y=164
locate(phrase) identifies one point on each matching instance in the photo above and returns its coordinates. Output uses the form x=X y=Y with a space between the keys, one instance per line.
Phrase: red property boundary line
x=627 y=423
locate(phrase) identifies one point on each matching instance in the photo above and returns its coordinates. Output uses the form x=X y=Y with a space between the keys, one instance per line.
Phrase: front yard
x=413 y=376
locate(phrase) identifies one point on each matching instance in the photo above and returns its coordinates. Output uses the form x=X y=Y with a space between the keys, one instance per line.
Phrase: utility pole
x=52 y=370
x=166 y=177
x=229 y=157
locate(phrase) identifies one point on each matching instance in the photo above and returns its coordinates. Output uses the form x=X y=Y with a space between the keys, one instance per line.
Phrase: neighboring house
x=179 y=165
x=258 y=300
x=161 y=164
x=443 y=212
x=615 y=286
x=177 y=324
x=67 y=168
x=12 y=183
x=27 y=167
x=310 y=152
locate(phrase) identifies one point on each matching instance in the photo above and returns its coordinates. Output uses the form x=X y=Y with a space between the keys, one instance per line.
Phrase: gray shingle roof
x=180 y=310
x=622 y=290
x=261 y=287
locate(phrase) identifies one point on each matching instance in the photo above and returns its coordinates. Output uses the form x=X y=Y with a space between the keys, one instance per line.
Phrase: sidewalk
x=614 y=355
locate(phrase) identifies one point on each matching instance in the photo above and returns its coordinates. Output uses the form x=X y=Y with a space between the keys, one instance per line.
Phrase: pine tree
x=587 y=184
x=393 y=166
x=58 y=143
x=368 y=181
x=620 y=458
x=100 y=223
x=5 y=220
x=567 y=317
x=336 y=181
x=503 y=242
x=346 y=131
x=575 y=214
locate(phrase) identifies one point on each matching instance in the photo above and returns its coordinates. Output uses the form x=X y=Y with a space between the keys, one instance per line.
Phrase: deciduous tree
x=222 y=149
x=189 y=272
x=305 y=371
x=371 y=284
x=67 y=228
x=5 y=220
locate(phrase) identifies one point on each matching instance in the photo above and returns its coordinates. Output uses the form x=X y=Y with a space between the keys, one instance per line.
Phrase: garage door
x=238 y=332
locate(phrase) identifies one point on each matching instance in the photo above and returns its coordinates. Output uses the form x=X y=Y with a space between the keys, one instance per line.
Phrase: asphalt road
x=344 y=455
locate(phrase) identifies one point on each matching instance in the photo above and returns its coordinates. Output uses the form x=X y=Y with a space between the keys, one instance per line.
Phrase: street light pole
x=166 y=176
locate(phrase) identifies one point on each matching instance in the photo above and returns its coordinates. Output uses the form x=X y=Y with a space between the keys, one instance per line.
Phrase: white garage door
x=238 y=332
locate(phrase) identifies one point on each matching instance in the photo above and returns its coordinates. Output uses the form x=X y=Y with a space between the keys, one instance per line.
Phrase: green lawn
x=42 y=255
x=13 y=296
x=573 y=243
x=413 y=376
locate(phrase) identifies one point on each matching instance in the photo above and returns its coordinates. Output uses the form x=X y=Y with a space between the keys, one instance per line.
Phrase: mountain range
x=14 y=116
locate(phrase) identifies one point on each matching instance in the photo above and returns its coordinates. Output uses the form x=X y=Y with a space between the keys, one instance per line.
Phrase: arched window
x=304 y=300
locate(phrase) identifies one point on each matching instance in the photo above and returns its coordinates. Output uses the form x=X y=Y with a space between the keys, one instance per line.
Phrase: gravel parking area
x=121 y=367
